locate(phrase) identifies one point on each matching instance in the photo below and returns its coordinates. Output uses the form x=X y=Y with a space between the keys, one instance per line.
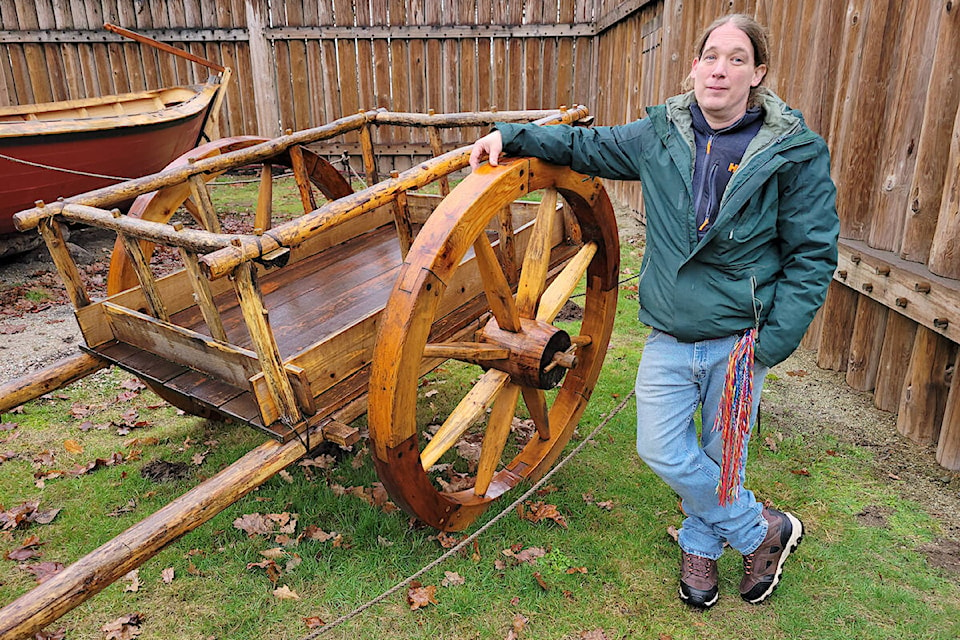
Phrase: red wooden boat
x=64 y=148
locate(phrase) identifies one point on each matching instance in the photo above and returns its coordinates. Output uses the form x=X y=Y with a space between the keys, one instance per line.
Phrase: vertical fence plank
x=261 y=68
x=933 y=148
x=945 y=247
x=895 y=357
x=902 y=129
x=924 y=398
x=866 y=344
x=839 y=313
x=948 y=447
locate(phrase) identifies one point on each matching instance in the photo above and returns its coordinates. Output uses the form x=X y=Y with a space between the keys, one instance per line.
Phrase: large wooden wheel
x=519 y=351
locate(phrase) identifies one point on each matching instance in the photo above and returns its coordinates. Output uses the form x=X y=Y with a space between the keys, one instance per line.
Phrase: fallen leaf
x=384 y=542
x=573 y=570
x=198 y=458
x=271 y=568
x=44 y=570
x=419 y=596
x=72 y=446
x=133 y=384
x=59 y=634
x=519 y=622
x=541 y=511
x=596 y=634
x=28 y=549
x=541 y=581
x=451 y=579
x=316 y=533
x=313 y=622
x=167 y=575
x=800 y=472
x=253 y=524
x=123 y=628
x=134 y=579
x=606 y=504
x=797 y=373
x=673 y=533
x=285 y=476
x=285 y=593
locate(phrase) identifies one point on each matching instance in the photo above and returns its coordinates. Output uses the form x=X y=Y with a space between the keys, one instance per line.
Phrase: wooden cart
x=297 y=328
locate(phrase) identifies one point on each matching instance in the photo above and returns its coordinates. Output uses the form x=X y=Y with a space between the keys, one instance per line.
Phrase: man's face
x=723 y=75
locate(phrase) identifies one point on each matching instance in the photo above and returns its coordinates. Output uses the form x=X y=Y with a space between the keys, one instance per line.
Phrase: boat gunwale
x=202 y=95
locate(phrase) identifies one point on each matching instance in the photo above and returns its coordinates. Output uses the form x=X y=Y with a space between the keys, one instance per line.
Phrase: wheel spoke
x=471 y=407
x=536 y=401
x=473 y=352
x=536 y=261
x=498 y=428
x=499 y=295
x=562 y=287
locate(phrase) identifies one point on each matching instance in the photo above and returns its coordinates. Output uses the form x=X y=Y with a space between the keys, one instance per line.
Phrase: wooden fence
x=876 y=78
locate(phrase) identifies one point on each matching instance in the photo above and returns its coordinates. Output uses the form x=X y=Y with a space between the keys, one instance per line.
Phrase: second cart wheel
x=519 y=352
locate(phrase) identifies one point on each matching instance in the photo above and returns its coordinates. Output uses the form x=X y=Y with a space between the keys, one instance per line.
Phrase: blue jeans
x=673 y=379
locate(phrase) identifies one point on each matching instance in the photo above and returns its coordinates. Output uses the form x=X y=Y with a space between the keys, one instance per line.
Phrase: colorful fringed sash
x=733 y=415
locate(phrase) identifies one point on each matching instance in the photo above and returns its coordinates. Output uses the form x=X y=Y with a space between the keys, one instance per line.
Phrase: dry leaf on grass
x=313 y=622
x=419 y=596
x=285 y=593
x=133 y=578
x=43 y=571
x=167 y=575
x=596 y=634
x=451 y=578
x=123 y=628
x=72 y=446
x=540 y=511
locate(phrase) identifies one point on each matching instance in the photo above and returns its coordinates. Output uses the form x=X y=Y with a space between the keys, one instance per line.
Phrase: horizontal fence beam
x=907 y=288
x=422 y=32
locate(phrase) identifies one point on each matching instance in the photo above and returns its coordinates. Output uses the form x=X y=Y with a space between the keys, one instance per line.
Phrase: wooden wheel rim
x=410 y=312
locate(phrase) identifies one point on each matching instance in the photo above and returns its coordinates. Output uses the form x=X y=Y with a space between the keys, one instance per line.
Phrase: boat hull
x=123 y=153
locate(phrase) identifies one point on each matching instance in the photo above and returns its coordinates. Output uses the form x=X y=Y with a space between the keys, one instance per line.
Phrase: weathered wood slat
x=925 y=389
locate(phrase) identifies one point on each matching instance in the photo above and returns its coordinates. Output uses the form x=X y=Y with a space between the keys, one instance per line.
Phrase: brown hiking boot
x=762 y=568
x=698 y=581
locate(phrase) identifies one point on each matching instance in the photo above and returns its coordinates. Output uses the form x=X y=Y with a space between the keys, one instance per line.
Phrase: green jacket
x=770 y=255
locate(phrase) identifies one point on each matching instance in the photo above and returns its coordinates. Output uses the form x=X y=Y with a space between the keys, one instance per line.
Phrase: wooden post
x=933 y=147
x=925 y=391
x=369 y=159
x=945 y=248
x=148 y=285
x=894 y=361
x=302 y=179
x=262 y=69
x=203 y=296
x=858 y=117
x=201 y=198
x=258 y=324
x=948 y=447
x=436 y=147
x=264 y=215
x=811 y=339
x=401 y=218
x=53 y=235
x=866 y=344
x=903 y=126
x=507 y=249
x=839 y=313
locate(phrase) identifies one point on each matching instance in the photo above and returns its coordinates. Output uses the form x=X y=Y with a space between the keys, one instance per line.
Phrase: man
x=741 y=246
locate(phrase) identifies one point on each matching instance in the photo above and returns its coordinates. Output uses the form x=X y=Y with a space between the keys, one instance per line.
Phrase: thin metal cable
x=62 y=169
x=392 y=590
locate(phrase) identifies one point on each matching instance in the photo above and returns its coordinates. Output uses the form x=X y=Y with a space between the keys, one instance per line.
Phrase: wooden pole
x=58 y=375
x=894 y=361
x=945 y=248
x=948 y=448
x=839 y=313
x=262 y=69
x=933 y=147
x=98 y=569
x=866 y=344
x=924 y=391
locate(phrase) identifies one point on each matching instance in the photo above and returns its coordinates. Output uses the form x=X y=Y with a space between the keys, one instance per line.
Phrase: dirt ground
x=39 y=334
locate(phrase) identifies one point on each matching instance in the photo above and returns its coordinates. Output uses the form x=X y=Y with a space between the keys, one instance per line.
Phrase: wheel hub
x=539 y=352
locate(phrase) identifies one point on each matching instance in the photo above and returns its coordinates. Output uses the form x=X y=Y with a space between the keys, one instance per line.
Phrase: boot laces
x=698 y=566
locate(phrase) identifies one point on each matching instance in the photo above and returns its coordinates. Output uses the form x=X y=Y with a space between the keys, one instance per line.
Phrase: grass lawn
x=862 y=571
